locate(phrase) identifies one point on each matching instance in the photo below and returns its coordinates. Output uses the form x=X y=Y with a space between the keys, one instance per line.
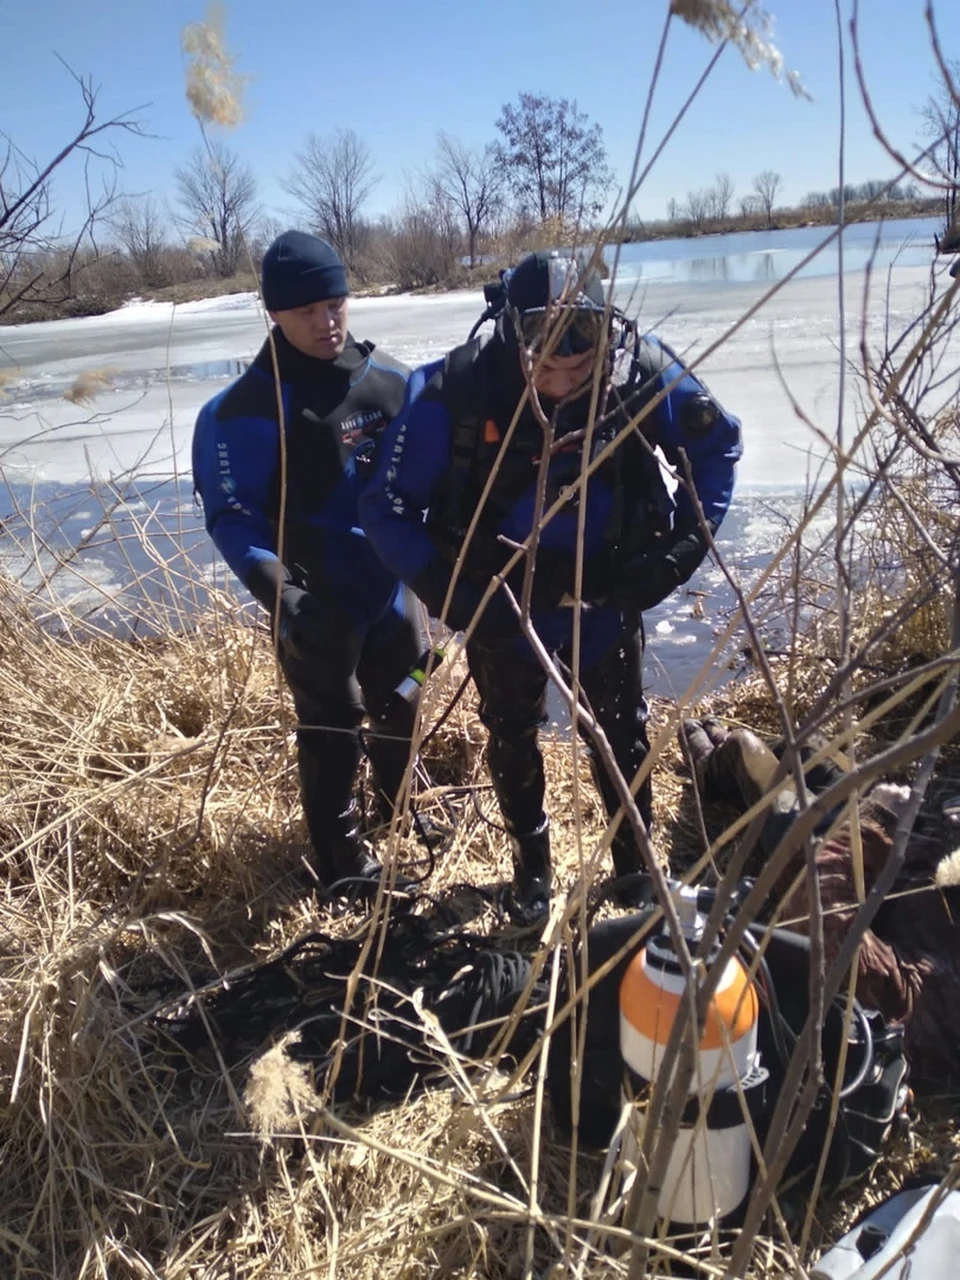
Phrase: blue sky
x=397 y=73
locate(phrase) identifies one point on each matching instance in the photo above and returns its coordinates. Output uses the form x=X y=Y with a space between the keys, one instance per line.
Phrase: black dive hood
x=537 y=282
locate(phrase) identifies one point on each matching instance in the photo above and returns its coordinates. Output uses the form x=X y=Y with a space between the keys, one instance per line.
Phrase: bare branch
x=37 y=266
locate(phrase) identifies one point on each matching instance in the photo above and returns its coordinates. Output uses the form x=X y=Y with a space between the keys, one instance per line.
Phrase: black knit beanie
x=298 y=269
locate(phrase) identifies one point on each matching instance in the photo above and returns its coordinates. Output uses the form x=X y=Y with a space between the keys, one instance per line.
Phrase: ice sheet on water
x=785 y=355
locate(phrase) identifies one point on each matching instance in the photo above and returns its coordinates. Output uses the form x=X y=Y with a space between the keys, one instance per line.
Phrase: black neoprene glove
x=303 y=626
x=498 y=621
x=644 y=581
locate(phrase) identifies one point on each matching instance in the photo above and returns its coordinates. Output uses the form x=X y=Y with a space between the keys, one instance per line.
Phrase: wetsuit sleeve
x=413 y=459
x=690 y=422
x=234 y=461
x=700 y=440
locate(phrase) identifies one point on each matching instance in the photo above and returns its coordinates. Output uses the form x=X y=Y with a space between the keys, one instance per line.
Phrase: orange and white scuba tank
x=708 y=1175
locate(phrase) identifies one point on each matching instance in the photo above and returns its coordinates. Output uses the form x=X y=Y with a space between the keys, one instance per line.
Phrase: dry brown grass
x=152 y=838
x=151 y=832
x=88 y=385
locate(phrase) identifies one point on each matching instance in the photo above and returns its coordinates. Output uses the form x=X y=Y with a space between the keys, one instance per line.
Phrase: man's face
x=318 y=329
x=572 y=336
x=559 y=377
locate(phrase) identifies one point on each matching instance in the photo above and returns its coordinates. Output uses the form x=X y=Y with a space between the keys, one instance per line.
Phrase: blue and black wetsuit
x=639 y=542
x=365 y=637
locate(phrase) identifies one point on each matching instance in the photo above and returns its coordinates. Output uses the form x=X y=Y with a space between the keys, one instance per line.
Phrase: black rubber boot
x=388 y=748
x=627 y=859
x=342 y=859
x=530 y=895
x=388 y=762
x=327 y=763
x=697 y=747
x=631 y=885
x=352 y=871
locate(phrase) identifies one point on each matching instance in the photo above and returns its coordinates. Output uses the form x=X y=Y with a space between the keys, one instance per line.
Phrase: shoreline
x=469 y=280
x=780 y=220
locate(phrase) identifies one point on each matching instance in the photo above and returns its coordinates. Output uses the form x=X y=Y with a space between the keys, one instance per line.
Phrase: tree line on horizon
x=713 y=204
x=717 y=207
x=545 y=176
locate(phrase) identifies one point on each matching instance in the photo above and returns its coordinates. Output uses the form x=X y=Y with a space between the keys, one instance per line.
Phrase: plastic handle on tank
x=411 y=684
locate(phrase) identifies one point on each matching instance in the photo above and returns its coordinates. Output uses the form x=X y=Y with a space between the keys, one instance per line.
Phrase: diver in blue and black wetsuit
x=345 y=628
x=457 y=429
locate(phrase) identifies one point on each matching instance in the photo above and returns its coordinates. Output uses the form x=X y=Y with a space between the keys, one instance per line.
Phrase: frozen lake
x=113 y=476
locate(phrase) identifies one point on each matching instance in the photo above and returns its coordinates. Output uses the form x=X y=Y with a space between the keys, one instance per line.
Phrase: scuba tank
x=708 y=1175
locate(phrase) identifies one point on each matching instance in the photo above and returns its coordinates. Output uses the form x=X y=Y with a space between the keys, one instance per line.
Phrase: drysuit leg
x=614 y=689
x=326 y=695
x=391 y=649
x=512 y=687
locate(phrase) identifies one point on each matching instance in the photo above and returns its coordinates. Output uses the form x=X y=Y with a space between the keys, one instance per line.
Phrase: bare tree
x=721 y=194
x=39 y=261
x=552 y=158
x=872 y=189
x=696 y=207
x=942 y=122
x=420 y=246
x=140 y=224
x=816 y=200
x=766 y=185
x=332 y=181
x=218 y=196
x=267 y=229
x=472 y=181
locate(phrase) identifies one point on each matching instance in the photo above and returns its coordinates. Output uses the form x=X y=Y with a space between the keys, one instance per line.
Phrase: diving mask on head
x=563 y=331
x=557 y=303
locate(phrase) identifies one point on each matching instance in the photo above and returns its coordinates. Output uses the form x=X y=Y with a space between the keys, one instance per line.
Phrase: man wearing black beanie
x=345 y=629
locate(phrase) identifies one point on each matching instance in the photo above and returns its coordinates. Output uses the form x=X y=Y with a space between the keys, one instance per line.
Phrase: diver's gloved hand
x=645 y=580
x=306 y=624
x=553 y=582
x=303 y=623
x=498 y=621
